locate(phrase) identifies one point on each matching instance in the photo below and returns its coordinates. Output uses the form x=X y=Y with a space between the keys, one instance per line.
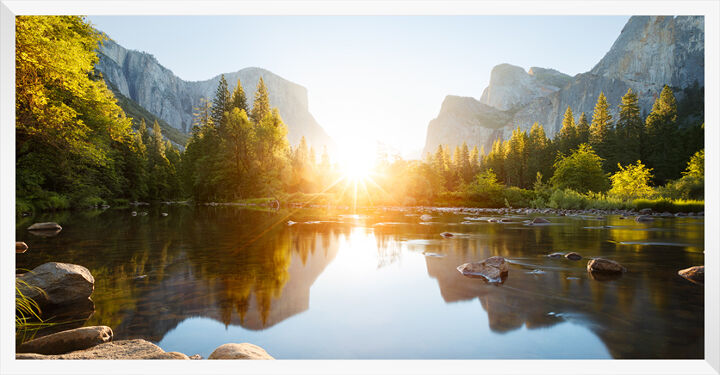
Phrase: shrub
x=517 y=197
x=631 y=182
x=580 y=171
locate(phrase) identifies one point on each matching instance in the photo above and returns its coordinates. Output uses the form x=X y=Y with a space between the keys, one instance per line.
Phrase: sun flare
x=357 y=162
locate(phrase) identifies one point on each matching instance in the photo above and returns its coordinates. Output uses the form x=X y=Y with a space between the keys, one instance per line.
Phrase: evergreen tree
x=629 y=131
x=261 y=105
x=600 y=128
x=567 y=136
x=663 y=146
x=539 y=153
x=221 y=103
x=239 y=100
x=583 y=129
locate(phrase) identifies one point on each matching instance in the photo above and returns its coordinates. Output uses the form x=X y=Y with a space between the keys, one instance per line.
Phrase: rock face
x=493 y=269
x=140 y=77
x=695 y=274
x=67 y=341
x=239 y=351
x=601 y=265
x=60 y=284
x=649 y=53
x=124 y=349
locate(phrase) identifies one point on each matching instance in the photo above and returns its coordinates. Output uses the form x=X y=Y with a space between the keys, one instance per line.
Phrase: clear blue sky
x=370 y=77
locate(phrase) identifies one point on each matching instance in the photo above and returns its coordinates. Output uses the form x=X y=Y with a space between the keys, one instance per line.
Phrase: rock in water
x=45 y=226
x=124 y=349
x=20 y=247
x=540 y=220
x=645 y=211
x=555 y=255
x=239 y=351
x=644 y=219
x=426 y=217
x=573 y=256
x=447 y=234
x=493 y=269
x=695 y=274
x=68 y=341
x=601 y=265
x=60 y=283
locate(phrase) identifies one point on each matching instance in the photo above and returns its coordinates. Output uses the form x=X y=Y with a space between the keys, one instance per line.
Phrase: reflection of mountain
x=542 y=300
x=254 y=300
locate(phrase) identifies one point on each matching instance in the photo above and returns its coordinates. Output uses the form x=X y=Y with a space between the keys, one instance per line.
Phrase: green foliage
x=632 y=182
x=669 y=205
x=661 y=126
x=487 y=188
x=261 y=105
x=629 y=129
x=581 y=171
x=601 y=127
x=567 y=136
x=517 y=197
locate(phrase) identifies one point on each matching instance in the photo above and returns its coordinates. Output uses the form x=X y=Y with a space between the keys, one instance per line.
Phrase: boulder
x=45 y=226
x=540 y=220
x=124 y=349
x=555 y=255
x=645 y=211
x=493 y=269
x=239 y=351
x=644 y=218
x=20 y=247
x=573 y=256
x=196 y=356
x=601 y=265
x=447 y=234
x=67 y=341
x=58 y=283
x=695 y=274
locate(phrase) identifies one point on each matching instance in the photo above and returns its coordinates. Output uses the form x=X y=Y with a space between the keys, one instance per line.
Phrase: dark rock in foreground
x=58 y=283
x=493 y=269
x=67 y=341
x=601 y=265
x=239 y=351
x=695 y=274
x=124 y=349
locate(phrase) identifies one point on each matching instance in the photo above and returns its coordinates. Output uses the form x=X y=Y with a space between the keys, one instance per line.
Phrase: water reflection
x=249 y=269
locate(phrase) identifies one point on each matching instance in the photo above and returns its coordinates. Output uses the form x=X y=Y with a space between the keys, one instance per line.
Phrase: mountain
x=649 y=53
x=139 y=77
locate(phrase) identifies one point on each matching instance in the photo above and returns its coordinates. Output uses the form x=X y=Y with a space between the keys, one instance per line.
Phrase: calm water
x=382 y=284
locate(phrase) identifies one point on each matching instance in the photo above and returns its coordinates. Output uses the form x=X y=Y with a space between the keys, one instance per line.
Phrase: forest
x=77 y=148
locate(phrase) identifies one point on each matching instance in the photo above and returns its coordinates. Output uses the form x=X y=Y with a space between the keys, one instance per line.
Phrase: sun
x=357 y=161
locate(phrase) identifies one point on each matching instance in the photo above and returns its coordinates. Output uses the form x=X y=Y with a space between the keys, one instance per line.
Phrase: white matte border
x=710 y=9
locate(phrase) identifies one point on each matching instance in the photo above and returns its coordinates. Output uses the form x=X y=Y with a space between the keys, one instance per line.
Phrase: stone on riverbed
x=540 y=220
x=67 y=341
x=555 y=255
x=493 y=269
x=695 y=274
x=59 y=283
x=239 y=351
x=573 y=256
x=601 y=265
x=644 y=218
x=124 y=349
x=52 y=226
x=20 y=247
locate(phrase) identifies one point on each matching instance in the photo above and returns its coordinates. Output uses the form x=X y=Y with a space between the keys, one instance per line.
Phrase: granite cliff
x=140 y=77
x=649 y=53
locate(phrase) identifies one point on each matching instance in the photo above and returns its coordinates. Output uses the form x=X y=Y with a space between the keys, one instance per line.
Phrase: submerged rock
x=447 y=234
x=164 y=214
x=644 y=218
x=58 y=283
x=124 y=349
x=555 y=255
x=493 y=269
x=239 y=351
x=695 y=274
x=540 y=220
x=20 y=247
x=68 y=341
x=601 y=265
x=573 y=256
x=52 y=226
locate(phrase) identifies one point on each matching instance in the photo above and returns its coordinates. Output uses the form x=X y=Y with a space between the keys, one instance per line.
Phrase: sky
x=370 y=78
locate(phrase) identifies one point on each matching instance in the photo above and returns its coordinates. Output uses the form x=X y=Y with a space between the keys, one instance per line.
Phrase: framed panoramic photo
x=359 y=187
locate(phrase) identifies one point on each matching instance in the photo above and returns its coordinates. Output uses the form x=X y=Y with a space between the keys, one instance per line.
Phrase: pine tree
x=238 y=98
x=663 y=147
x=583 y=129
x=567 y=136
x=221 y=103
x=600 y=128
x=261 y=105
x=629 y=131
x=539 y=152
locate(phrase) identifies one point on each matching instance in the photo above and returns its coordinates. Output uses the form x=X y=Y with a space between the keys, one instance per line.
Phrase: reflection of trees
x=225 y=263
x=647 y=313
